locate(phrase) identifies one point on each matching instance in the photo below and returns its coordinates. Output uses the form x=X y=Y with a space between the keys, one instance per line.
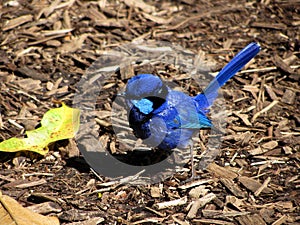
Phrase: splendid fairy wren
x=165 y=118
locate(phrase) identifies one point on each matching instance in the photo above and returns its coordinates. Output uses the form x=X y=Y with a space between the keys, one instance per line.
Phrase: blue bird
x=165 y=118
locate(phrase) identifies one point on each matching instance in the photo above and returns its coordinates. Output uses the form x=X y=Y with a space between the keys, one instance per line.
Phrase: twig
x=262 y=187
x=169 y=204
x=264 y=110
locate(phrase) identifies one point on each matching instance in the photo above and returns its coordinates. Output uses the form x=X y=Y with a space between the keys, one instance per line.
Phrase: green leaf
x=57 y=124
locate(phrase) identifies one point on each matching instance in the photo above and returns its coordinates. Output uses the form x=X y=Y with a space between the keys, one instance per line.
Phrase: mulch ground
x=45 y=49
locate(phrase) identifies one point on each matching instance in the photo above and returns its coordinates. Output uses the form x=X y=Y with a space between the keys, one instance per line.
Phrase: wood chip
x=212 y=221
x=111 y=23
x=270 y=92
x=140 y=4
x=282 y=65
x=126 y=70
x=244 y=118
x=262 y=187
x=276 y=26
x=155 y=192
x=29 y=84
x=25 y=183
x=270 y=145
x=195 y=183
x=17 y=21
x=157 y=19
x=45 y=208
x=32 y=73
x=218 y=214
x=200 y=203
x=92 y=221
x=258 y=151
x=170 y=204
x=281 y=220
x=198 y=191
x=288 y=97
x=253 y=185
x=251 y=220
x=267 y=108
x=233 y=188
x=219 y=171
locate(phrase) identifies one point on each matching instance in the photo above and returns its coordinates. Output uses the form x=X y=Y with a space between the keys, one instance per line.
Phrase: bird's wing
x=183 y=112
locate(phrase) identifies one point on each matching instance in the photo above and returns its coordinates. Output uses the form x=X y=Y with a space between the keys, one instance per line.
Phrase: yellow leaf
x=13 y=213
x=57 y=124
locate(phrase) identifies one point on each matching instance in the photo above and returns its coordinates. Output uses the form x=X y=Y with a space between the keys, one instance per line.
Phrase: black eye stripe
x=157 y=101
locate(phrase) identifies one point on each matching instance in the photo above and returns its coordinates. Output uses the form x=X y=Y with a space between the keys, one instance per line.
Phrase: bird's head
x=146 y=91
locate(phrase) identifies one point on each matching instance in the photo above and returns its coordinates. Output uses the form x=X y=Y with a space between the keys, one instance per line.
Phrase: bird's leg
x=192 y=163
x=193 y=171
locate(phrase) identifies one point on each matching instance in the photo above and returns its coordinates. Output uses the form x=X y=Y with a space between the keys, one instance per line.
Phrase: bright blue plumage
x=166 y=118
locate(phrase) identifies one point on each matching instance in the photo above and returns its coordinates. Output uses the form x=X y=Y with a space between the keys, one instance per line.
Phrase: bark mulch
x=45 y=49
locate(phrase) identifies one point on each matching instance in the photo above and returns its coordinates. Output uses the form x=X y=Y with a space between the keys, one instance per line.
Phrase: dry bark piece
x=45 y=208
x=140 y=4
x=126 y=71
x=219 y=171
x=270 y=145
x=253 y=185
x=158 y=19
x=262 y=187
x=270 y=92
x=244 y=118
x=93 y=221
x=25 y=183
x=258 y=151
x=17 y=22
x=198 y=191
x=281 y=220
x=234 y=201
x=79 y=215
x=200 y=203
x=195 y=183
x=233 y=188
x=218 y=214
x=112 y=23
x=288 y=97
x=13 y=213
x=251 y=220
x=155 y=192
x=29 y=84
x=276 y=26
x=212 y=221
x=282 y=65
x=32 y=73
x=172 y=203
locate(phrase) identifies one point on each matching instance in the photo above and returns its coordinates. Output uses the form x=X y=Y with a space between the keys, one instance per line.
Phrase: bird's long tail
x=210 y=93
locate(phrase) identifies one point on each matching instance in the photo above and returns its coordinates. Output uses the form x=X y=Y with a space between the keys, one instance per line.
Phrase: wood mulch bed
x=45 y=49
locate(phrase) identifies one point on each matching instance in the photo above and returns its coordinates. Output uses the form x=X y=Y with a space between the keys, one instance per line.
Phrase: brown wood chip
x=288 y=97
x=282 y=65
x=253 y=185
x=17 y=21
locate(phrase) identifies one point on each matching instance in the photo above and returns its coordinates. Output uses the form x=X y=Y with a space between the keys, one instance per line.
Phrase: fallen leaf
x=15 y=214
x=57 y=124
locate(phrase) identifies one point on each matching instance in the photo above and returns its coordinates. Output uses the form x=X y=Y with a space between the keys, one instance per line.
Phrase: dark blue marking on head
x=143 y=85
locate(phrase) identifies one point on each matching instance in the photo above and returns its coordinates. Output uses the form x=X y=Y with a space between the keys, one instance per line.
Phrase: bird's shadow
x=142 y=157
